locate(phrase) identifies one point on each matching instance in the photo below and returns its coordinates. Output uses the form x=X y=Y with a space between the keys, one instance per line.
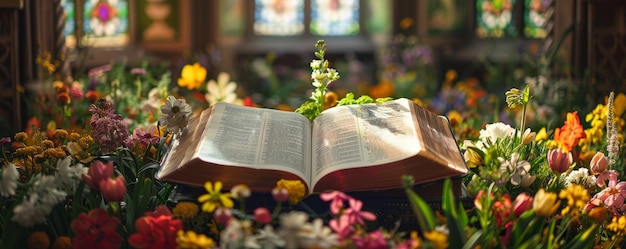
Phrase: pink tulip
x=599 y=163
x=523 y=202
x=98 y=171
x=559 y=160
x=113 y=189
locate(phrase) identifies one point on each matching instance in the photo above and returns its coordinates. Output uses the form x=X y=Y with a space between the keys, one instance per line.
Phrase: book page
x=363 y=135
x=257 y=138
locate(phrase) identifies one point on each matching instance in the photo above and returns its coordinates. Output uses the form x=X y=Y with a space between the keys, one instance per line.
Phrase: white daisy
x=8 y=182
x=581 y=177
x=268 y=238
x=221 y=91
x=290 y=224
x=175 y=114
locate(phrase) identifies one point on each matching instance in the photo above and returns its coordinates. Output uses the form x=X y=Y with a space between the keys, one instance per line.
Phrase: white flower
x=581 y=177
x=267 y=238
x=316 y=235
x=222 y=91
x=495 y=131
x=8 y=182
x=28 y=213
x=290 y=224
x=67 y=176
x=236 y=233
x=175 y=114
x=519 y=170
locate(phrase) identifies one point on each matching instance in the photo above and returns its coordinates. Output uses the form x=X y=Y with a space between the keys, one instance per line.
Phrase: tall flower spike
x=611 y=132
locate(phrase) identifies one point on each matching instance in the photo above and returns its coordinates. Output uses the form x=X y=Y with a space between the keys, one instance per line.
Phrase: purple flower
x=109 y=128
x=5 y=140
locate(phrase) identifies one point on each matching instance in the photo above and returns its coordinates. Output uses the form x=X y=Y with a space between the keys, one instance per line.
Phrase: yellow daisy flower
x=191 y=240
x=215 y=198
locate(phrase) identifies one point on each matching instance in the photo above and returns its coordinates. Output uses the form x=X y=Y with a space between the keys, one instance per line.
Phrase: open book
x=346 y=148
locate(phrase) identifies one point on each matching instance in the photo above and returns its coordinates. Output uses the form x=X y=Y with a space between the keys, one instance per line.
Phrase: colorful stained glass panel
x=334 y=17
x=279 y=17
x=536 y=15
x=106 y=23
x=70 y=23
x=495 y=18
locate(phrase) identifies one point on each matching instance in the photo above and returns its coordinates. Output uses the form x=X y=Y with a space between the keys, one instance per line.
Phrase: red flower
x=113 y=189
x=155 y=232
x=96 y=230
x=502 y=210
x=98 y=171
x=572 y=131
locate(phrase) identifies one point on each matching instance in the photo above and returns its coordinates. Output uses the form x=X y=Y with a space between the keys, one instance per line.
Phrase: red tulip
x=98 y=171
x=522 y=203
x=113 y=189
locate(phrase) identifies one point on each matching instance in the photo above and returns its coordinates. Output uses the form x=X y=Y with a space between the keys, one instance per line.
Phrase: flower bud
x=262 y=215
x=599 y=214
x=222 y=215
x=545 y=203
x=113 y=189
x=599 y=163
x=240 y=191
x=523 y=202
x=280 y=194
x=559 y=160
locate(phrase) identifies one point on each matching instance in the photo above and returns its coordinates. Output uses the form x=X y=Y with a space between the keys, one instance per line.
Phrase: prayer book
x=346 y=148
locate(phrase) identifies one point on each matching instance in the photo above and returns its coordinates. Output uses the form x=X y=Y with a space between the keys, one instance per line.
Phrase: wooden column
x=10 y=118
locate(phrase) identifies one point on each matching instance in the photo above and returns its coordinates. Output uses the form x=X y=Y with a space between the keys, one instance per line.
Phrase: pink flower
x=342 y=226
x=599 y=163
x=98 y=171
x=280 y=194
x=559 y=160
x=222 y=215
x=96 y=230
x=336 y=199
x=355 y=215
x=614 y=195
x=263 y=215
x=372 y=240
x=145 y=137
x=113 y=189
x=523 y=202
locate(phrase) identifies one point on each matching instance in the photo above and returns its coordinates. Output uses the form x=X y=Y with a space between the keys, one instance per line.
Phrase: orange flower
x=572 y=131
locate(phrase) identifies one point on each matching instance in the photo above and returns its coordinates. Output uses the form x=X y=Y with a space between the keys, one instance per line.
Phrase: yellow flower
x=542 y=135
x=296 y=189
x=545 y=203
x=215 y=198
x=62 y=242
x=619 y=104
x=38 y=240
x=60 y=133
x=20 y=136
x=455 y=118
x=618 y=225
x=576 y=196
x=185 y=210
x=192 y=76
x=77 y=151
x=191 y=240
x=439 y=239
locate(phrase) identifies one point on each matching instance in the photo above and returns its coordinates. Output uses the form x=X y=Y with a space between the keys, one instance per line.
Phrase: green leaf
x=423 y=212
x=584 y=239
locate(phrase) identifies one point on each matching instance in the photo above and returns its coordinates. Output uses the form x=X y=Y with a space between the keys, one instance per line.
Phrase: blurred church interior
x=585 y=39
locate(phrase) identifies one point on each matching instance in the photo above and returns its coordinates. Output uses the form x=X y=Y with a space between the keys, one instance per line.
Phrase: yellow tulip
x=545 y=203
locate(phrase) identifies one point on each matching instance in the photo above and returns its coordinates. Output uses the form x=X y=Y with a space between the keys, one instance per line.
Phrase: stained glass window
x=70 y=23
x=105 y=23
x=334 y=17
x=495 y=18
x=536 y=15
x=279 y=17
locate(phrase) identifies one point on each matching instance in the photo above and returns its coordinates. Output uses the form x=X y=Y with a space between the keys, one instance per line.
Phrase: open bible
x=346 y=148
